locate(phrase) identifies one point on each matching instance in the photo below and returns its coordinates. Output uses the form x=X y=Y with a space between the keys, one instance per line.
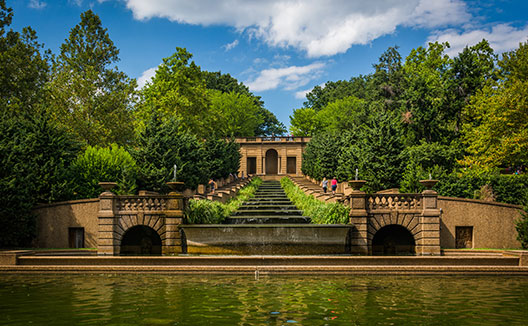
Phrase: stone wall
x=493 y=223
x=54 y=221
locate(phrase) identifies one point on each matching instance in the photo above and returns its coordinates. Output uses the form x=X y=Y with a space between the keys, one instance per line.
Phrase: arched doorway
x=393 y=240
x=272 y=162
x=140 y=240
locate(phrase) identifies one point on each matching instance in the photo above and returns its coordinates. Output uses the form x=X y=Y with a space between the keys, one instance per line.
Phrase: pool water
x=135 y=299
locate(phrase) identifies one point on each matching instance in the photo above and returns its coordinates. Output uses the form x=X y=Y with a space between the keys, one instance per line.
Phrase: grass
x=319 y=212
x=203 y=211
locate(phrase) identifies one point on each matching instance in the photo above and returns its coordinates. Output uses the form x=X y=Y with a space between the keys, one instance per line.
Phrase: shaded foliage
x=98 y=164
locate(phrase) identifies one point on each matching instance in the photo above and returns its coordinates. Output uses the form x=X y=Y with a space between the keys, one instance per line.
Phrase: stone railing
x=141 y=203
x=394 y=201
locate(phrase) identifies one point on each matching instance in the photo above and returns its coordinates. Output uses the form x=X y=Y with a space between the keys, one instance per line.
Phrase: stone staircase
x=269 y=206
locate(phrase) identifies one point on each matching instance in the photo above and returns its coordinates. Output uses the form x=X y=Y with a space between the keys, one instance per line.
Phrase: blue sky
x=279 y=48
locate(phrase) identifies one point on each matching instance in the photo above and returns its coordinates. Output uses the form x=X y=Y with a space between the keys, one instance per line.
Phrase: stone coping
x=259 y=271
x=479 y=201
x=298 y=225
x=68 y=202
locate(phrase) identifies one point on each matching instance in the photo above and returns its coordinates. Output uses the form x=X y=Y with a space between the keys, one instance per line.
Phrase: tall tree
x=268 y=125
x=496 y=130
x=23 y=68
x=177 y=90
x=426 y=107
x=88 y=96
x=234 y=114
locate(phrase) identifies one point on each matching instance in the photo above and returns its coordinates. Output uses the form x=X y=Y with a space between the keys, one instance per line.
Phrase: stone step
x=268 y=219
x=266 y=207
x=255 y=212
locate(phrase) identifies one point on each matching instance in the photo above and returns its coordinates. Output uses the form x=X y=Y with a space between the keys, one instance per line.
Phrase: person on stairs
x=324 y=184
x=334 y=185
x=213 y=185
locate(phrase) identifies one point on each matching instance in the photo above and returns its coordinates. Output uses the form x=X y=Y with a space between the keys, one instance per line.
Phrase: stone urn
x=107 y=186
x=176 y=186
x=356 y=184
x=428 y=184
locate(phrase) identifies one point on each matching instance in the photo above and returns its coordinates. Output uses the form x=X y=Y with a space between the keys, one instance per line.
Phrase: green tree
x=343 y=114
x=426 y=110
x=223 y=157
x=234 y=114
x=320 y=96
x=23 y=68
x=374 y=148
x=385 y=83
x=177 y=90
x=496 y=128
x=93 y=100
x=225 y=83
x=472 y=69
x=304 y=122
x=97 y=164
x=163 y=144
x=35 y=160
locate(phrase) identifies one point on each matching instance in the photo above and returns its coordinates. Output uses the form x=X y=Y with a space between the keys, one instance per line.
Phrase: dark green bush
x=164 y=144
x=98 y=164
x=511 y=189
x=319 y=212
x=34 y=161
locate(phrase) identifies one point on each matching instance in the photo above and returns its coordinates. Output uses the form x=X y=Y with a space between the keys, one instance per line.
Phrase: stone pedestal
x=358 y=218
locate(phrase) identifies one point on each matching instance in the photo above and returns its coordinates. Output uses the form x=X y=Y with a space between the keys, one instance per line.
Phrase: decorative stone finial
x=176 y=186
x=356 y=184
x=428 y=184
x=107 y=186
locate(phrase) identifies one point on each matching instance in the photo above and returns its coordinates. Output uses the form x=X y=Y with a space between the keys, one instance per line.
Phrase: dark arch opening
x=393 y=240
x=140 y=240
x=272 y=162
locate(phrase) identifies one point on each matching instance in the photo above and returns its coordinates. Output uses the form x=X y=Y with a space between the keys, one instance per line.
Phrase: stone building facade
x=271 y=155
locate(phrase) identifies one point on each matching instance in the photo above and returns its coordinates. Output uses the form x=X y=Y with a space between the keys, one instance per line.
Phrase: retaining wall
x=493 y=223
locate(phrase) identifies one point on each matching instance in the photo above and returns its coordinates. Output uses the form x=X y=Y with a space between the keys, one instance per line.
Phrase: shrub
x=34 y=169
x=511 y=189
x=98 y=164
x=319 y=212
x=164 y=144
x=203 y=211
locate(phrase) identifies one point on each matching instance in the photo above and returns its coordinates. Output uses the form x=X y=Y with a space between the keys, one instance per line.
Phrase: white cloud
x=289 y=78
x=302 y=94
x=231 y=45
x=502 y=37
x=37 y=4
x=146 y=76
x=317 y=27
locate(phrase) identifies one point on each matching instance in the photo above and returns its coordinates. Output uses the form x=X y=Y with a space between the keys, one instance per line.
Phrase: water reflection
x=241 y=300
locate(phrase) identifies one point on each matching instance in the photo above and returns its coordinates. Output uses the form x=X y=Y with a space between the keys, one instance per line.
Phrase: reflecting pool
x=130 y=299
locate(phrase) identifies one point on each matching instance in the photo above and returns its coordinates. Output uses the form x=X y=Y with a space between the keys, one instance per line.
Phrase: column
x=429 y=244
x=106 y=218
x=359 y=218
x=173 y=219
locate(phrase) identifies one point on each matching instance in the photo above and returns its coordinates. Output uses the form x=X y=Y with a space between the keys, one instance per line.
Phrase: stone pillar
x=429 y=243
x=359 y=218
x=172 y=243
x=106 y=242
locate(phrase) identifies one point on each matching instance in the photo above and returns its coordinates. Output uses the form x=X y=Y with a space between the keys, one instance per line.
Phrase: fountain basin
x=267 y=239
